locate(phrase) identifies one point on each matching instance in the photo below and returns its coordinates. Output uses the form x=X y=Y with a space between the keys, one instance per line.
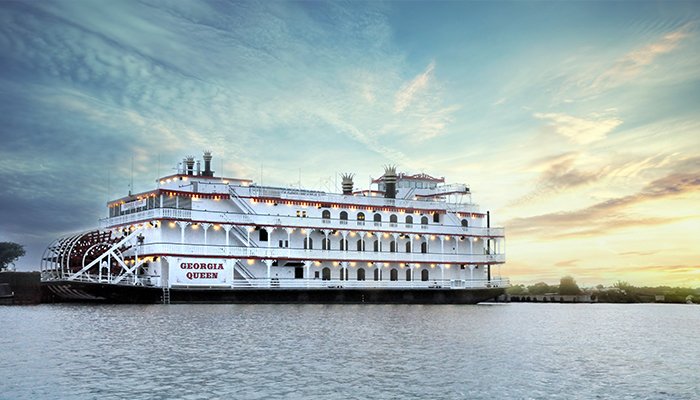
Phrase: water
x=519 y=351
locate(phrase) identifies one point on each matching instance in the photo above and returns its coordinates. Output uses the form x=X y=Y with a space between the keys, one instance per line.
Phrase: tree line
x=620 y=292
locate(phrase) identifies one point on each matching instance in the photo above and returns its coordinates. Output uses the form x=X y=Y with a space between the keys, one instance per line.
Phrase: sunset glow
x=576 y=124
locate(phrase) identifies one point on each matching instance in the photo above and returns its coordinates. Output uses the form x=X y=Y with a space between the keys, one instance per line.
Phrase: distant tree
x=568 y=286
x=9 y=253
x=541 y=288
x=516 y=290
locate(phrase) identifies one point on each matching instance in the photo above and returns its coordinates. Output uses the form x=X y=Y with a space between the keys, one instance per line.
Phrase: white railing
x=287 y=221
x=264 y=283
x=274 y=283
x=315 y=254
x=367 y=201
x=145 y=215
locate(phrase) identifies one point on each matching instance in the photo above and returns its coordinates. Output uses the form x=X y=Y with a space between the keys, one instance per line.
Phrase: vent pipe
x=390 y=181
x=189 y=161
x=347 y=184
x=207 y=164
x=488 y=245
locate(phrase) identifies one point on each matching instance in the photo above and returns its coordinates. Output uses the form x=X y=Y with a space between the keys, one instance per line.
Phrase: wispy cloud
x=404 y=97
x=632 y=64
x=586 y=130
x=610 y=215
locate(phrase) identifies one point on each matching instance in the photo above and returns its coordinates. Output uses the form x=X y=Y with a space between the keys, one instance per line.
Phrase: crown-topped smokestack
x=207 y=164
x=390 y=181
x=347 y=184
x=189 y=161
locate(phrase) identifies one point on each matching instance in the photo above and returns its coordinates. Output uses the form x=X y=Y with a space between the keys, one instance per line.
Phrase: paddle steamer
x=198 y=237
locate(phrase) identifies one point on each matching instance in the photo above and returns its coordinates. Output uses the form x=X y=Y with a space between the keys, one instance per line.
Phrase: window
x=376 y=274
x=284 y=243
x=262 y=235
x=360 y=216
x=424 y=220
x=343 y=244
x=361 y=274
x=408 y=274
x=408 y=246
x=326 y=274
x=392 y=246
x=326 y=244
x=465 y=223
x=377 y=217
x=343 y=274
x=376 y=245
x=393 y=218
x=344 y=215
x=436 y=218
x=308 y=243
x=326 y=214
x=424 y=247
x=360 y=246
x=394 y=275
x=424 y=275
x=409 y=219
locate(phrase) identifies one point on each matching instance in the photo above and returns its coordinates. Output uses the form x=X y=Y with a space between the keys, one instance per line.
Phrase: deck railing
x=291 y=221
x=184 y=249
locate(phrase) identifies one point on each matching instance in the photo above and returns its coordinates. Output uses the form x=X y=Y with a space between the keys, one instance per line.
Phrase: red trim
x=353 y=206
x=204 y=177
x=306 y=259
x=415 y=177
x=299 y=227
x=442 y=194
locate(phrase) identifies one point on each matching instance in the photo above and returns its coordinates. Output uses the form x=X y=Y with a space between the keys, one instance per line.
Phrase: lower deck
x=77 y=291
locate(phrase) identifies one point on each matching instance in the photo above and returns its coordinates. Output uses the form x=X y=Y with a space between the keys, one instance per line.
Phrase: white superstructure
x=198 y=230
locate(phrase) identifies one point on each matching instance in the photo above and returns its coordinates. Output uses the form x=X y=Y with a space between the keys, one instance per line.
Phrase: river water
x=488 y=351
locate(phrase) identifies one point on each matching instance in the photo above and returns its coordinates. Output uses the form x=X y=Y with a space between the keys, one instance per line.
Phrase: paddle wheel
x=93 y=255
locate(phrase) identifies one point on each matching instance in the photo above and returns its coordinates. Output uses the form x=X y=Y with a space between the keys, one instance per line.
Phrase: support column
x=269 y=272
x=307 y=266
x=227 y=229
x=182 y=225
x=205 y=226
x=346 y=244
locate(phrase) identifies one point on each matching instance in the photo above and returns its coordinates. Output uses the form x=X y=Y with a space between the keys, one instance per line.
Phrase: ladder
x=166 y=295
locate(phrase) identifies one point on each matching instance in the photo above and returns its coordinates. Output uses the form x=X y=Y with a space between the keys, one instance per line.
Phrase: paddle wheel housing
x=93 y=253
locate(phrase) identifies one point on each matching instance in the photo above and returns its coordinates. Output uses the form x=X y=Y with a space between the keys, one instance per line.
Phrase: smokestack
x=199 y=168
x=189 y=161
x=347 y=184
x=390 y=181
x=207 y=164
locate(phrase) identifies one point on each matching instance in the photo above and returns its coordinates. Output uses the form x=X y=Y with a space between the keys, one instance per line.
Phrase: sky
x=577 y=124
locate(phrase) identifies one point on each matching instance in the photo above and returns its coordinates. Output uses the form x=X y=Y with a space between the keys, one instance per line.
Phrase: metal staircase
x=242 y=204
x=166 y=295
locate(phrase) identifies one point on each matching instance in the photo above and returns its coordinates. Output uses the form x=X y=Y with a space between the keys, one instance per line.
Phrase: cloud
x=632 y=64
x=609 y=215
x=581 y=130
x=567 y=263
x=404 y=97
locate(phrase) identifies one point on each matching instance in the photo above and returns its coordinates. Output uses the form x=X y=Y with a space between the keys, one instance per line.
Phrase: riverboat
x=201 y=238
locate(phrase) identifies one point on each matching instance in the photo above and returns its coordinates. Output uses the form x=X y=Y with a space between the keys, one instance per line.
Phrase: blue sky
x=576 y=124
